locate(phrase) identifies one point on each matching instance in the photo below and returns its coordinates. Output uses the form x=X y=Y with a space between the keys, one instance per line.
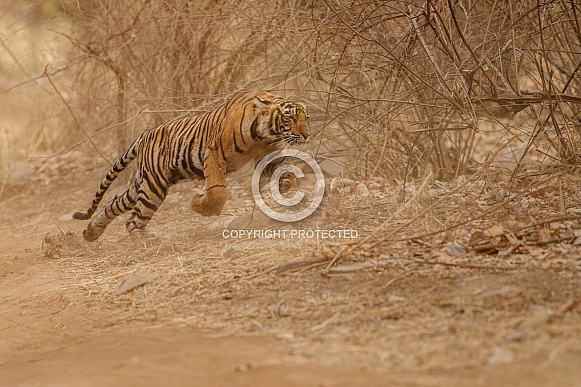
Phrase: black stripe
x=202 y=145
x=116 y=168
x=140 y=216
x=197 y=172
x=147 y=204
x=240 y=129
x=274 y=123
x=115 y=209
x=216 y=185
x=143 y=193
x=153 y=189
x=107 y=213
x=158 y=189
x=187 y=155
x=253 y=131
x=185 y=165
x=178 y=126
x=127 y=202
x=236 y=147
x=241 y=126
x=223 y=112
x=156 y=173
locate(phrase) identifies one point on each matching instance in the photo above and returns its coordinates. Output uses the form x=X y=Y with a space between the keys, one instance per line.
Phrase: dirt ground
x=494 y=303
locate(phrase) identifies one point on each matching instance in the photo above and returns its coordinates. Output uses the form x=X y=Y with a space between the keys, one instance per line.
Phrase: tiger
x=205 y=147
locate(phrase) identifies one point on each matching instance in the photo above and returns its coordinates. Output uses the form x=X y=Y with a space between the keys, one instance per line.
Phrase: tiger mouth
x=294 y=139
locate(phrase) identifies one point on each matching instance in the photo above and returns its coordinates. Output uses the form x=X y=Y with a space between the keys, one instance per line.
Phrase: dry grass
x=339 y=308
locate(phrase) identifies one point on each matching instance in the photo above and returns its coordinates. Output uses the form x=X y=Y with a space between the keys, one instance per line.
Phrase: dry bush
x=400 y=86
x=397 y=88
x=32 y=123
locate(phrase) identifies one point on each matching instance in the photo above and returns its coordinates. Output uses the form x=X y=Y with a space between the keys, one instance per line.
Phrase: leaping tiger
x=205 y=146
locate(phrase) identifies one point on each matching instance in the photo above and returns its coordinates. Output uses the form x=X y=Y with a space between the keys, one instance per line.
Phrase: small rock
x=135 y=280
x=456 y=249
x=362 y=190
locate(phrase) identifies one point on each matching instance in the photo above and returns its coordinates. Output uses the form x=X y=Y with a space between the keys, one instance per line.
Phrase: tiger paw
x=207 y=206
x=92 y=233
x=287 y=182
x=142 y=238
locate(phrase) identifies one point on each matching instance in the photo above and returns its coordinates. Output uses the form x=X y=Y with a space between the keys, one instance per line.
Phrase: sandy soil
x=220 y=312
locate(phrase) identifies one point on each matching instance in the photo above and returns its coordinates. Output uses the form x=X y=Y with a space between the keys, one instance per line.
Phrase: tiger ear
x=261 y=103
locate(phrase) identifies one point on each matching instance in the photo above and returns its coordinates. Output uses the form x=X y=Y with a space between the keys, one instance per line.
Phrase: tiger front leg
x=286 y=178
x=212 y=201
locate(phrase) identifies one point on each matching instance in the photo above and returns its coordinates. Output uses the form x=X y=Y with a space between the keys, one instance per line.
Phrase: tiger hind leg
x=116 y=206
x=147 y=204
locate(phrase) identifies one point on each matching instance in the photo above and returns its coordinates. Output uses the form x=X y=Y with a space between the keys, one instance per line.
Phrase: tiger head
x=287 y=121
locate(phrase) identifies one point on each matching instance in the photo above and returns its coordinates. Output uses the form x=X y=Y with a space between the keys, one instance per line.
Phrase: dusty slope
x=219 y=314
